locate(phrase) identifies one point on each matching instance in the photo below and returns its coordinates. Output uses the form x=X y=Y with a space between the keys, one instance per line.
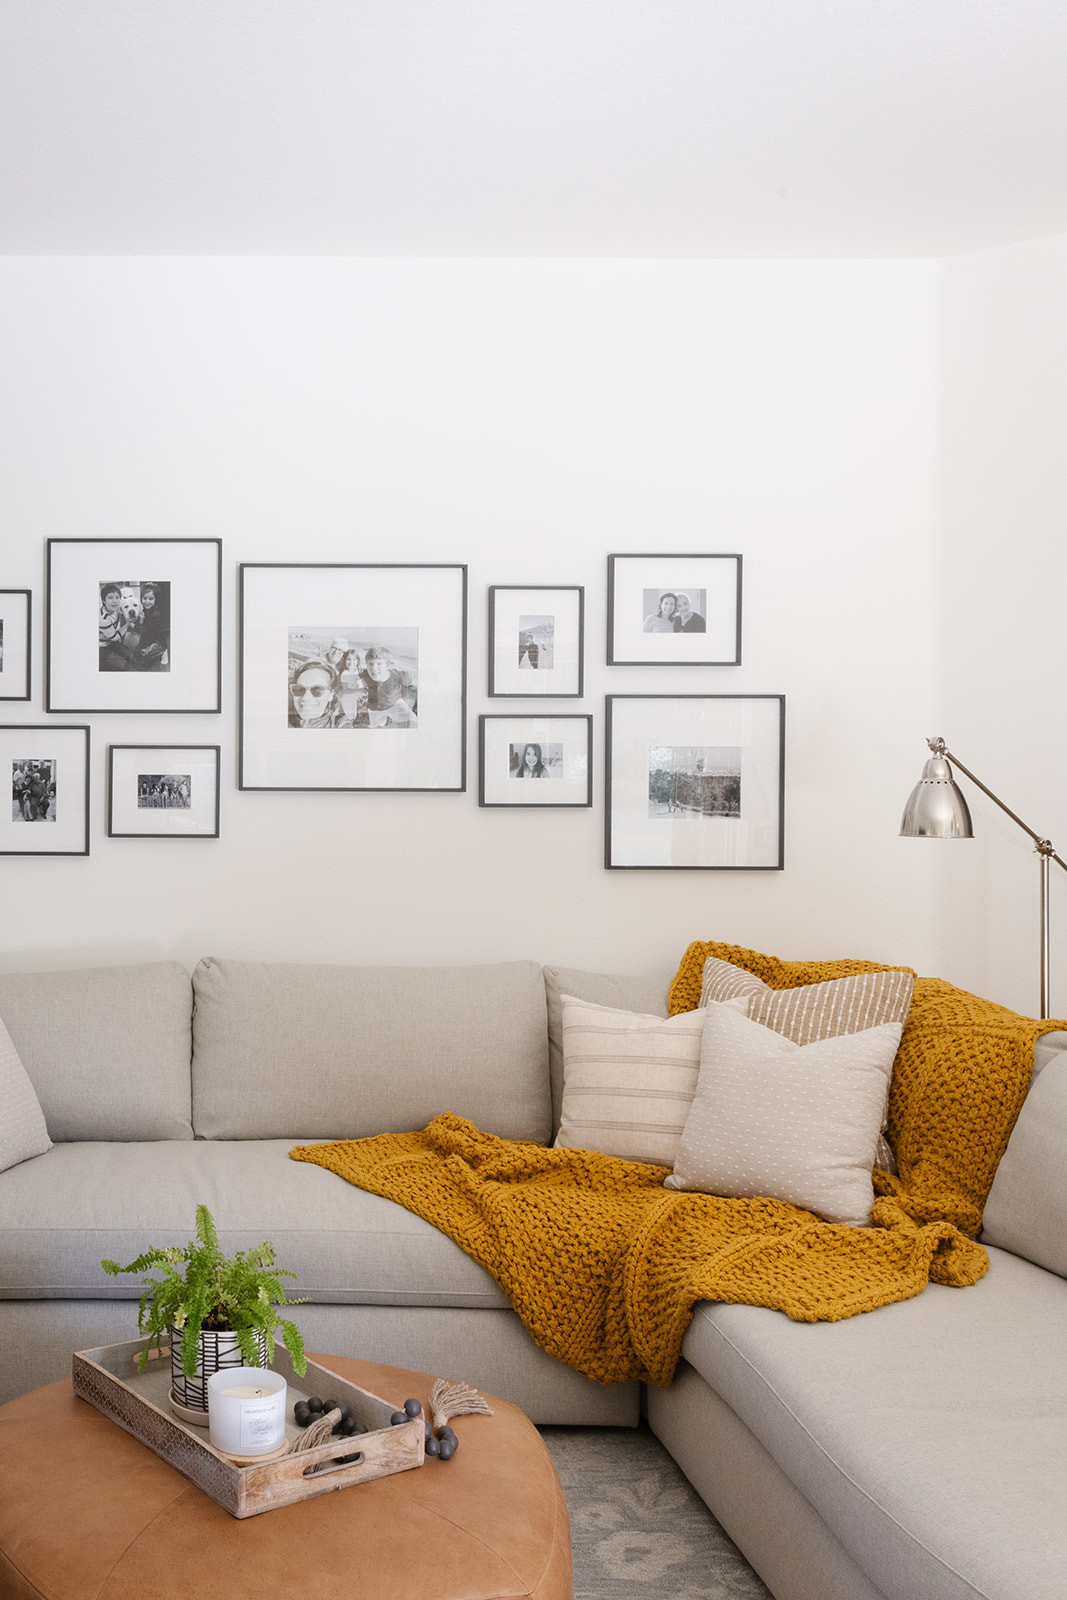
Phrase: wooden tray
x=139 y=1402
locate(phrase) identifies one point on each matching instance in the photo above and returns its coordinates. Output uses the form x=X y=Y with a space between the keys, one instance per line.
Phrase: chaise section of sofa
x=917 y=1452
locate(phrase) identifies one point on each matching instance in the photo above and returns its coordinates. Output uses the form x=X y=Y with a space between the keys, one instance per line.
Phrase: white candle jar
x=246 y=1411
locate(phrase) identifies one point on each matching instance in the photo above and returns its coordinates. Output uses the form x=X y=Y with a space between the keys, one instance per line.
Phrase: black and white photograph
x=15 y=635
x=133 y=625
x=169 y=790
x=47 y=772
x=695 y=781
x=674 y=610
x=33 y=791
x=163 y=791
x=352 y=676
x=535 y=761
x=536 y=641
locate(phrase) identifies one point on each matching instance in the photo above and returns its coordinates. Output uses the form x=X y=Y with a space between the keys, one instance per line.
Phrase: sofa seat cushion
x=62 y=1212
x=930 y=1435
x=345 y=1052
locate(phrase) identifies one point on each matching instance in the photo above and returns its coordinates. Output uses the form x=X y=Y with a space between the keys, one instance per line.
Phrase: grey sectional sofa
x=915 y=1453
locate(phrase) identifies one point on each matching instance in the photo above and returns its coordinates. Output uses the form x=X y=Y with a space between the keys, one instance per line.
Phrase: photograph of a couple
x=674 y=611
x=690 y=781
x=134 y=626
x=353 y=677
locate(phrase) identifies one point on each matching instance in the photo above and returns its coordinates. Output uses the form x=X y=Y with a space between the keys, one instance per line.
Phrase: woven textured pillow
x=786 y=1121
x=628 y=1079
x=816 y=1010
x=22 y=1126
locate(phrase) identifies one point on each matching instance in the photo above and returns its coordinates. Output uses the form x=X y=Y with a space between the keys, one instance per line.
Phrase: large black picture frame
x=352 y=676
x=695 y=782
x=16 y=637
x=136 y=655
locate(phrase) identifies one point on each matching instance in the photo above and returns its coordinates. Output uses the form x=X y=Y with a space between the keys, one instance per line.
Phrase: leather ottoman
x=87 y=1512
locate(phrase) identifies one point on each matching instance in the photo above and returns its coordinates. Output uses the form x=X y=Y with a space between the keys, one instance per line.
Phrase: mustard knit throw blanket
x=604 y=1265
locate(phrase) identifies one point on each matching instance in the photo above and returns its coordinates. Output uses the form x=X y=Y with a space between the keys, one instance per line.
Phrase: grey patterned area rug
x=639 y=1527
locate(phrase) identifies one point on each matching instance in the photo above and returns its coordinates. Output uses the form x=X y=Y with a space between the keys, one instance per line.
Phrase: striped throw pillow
x=629 y=1079
x=816 y=1011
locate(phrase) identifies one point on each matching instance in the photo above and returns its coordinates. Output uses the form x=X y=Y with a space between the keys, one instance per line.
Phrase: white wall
x=1002 y=642
x=527 y=419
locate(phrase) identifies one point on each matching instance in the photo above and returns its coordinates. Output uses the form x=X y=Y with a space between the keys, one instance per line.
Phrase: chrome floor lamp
x=936 y=809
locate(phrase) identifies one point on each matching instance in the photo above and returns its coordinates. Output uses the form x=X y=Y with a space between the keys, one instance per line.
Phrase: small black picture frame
x=674 y=610
x=532 y=761
x=44 y=777
x=536 y=641
x=157 y=791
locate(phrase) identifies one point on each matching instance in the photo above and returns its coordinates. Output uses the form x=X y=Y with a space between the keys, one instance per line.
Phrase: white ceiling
x=531 y=127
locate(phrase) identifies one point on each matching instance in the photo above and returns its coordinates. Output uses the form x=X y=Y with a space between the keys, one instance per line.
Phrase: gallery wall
x=526 y=419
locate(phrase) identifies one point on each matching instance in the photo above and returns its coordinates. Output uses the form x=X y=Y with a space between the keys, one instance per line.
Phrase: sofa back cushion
x=23 y=1130
x=334 y=1052
x=106 y=1048
x=1026 y=1211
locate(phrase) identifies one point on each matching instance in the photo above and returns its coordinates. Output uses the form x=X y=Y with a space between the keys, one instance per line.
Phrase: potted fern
x=215 y=1311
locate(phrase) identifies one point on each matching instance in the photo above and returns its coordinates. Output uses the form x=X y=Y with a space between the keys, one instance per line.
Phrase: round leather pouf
x=87 y=1512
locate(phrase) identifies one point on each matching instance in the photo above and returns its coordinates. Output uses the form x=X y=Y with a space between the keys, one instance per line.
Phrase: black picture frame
x=353 y=676
x=564 y=760
x=695 y=782
x=643 y=629
x=16 y=640
x=157 y=649
x=536 y=641
x=158 y=791
x=44 y=771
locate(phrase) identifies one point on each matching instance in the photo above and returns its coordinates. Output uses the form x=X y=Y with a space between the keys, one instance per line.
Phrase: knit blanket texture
x=604 y=1265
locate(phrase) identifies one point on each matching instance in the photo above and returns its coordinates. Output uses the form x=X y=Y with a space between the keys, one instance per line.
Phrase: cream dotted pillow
x=787 y=1121
x=817 y=1010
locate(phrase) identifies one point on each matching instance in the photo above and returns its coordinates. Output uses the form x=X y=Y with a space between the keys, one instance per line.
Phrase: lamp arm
x=1044 y=847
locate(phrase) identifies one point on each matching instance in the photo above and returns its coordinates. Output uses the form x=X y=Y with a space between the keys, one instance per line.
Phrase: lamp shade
x=936 y=808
